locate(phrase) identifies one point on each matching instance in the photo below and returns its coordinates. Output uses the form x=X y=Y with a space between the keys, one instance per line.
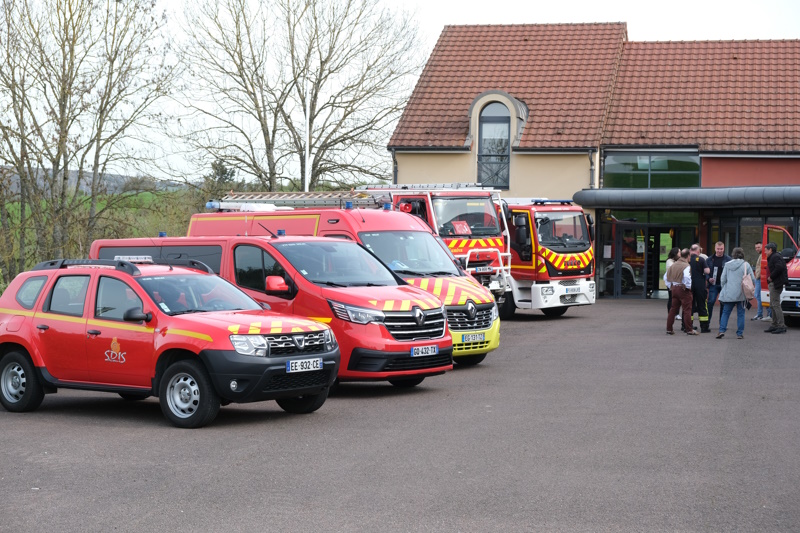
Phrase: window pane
x=69 y=295
x=636 y=180
x=29 y=292
x=494 y=139
x=495 y=109
x=621 y=163
x=674 y=217
x=680 y=163
x=249 y=268
x=666 y=180
x=114 y=298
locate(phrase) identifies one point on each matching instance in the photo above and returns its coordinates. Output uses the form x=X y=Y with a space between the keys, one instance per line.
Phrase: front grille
x=568 y=299
x=465 y=346
x=285 y=345
x=418 y=363
x=404 y=327
x=790 y=306
x=793 y=285
x=569 y=282
x=459 y=320
x=301 y=380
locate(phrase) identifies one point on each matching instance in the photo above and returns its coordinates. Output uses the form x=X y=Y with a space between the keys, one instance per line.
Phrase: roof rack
x=124 y=266
x=238 y=200
x=538 y=201
x=190 y=263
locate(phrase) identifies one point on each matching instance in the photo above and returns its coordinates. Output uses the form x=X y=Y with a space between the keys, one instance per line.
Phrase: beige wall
x=540 y=176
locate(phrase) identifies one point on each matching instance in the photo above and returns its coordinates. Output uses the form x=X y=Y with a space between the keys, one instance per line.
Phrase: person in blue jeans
x=755 y=263
x=731 y=294
x=716 y=263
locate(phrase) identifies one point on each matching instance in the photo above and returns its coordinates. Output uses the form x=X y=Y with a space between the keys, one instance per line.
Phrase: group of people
x=696 y=281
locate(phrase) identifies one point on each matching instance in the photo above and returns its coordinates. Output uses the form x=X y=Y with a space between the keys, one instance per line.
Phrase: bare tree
x=74 y=100
x=236 y=88
x=270 y=74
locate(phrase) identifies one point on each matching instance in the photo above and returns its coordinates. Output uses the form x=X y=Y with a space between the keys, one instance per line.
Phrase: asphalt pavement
x=595 y=421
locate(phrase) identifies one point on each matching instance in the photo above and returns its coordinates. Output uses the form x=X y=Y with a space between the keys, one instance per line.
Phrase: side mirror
x=521 y=221
x=264 y=305
x=135 y=314
x=276 y=284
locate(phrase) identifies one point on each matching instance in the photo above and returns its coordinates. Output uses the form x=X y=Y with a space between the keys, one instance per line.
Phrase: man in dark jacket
x=699 y=271
x=777 y=278
x=716 y=263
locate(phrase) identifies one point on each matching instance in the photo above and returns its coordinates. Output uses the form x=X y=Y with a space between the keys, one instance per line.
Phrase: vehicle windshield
x=410 y=253
x=195 y=293
x=336 y=263
x=466 y=217
x=562 y=229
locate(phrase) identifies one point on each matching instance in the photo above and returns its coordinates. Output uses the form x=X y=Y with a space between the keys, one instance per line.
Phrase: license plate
x=420 y=351
x=472 y=337
x=304 y=365
x=483 y=269
x=573 y=289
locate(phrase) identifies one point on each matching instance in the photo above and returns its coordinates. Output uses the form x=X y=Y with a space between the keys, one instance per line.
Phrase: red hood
x=398 y=298
x=243 y=322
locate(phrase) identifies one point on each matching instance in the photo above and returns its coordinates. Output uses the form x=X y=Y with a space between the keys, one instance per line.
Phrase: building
x=667 y=143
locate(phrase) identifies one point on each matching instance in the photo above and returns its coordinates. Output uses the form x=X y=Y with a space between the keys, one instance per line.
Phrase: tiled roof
x=717 y=95
x=563 y=72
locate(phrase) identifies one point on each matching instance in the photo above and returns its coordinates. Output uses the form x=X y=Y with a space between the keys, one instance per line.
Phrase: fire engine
x=552 y=259
x=464 y=215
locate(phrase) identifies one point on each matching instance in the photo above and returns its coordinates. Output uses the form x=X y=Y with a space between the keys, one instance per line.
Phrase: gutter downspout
x=591 y=168
x=394 y=168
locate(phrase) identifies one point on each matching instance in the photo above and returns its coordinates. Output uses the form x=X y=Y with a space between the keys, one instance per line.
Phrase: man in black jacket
x=777 y=278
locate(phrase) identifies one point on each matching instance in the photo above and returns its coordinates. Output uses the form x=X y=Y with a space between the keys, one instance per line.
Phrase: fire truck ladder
x=256 y=201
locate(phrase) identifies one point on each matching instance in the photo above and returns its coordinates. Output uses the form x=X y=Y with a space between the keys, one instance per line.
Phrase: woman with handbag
x=732 y=293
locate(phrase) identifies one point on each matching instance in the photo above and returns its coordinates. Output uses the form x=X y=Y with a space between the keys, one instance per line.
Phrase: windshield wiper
x=440 y=273
x=188 y=311
x=410 y=273
x=328 y=283
x=368 y=284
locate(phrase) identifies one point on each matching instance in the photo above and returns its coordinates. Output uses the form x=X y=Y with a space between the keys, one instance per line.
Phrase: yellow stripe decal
x=185 y=333
x=388 y=305
x=255 y=327
x=234 y=329
x=16 y=312
x=323 y=319
x=63 y=318
x=119 y=325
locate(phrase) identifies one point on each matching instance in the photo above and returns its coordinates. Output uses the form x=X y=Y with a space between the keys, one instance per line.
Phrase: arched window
x=494 y=145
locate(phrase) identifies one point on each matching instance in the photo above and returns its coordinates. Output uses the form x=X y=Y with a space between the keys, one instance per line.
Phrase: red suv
x=177 y=332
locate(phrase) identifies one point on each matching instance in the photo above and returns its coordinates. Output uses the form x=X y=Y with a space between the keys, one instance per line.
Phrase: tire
x=187 y=397
x=133 y=397
x=406 y=383
x=20 y=389
x=469 y=360
x=554 y=312
x=506 y=311
x=303 y=404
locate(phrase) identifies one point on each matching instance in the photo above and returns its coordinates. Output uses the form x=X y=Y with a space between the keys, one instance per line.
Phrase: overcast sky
x=675 y=20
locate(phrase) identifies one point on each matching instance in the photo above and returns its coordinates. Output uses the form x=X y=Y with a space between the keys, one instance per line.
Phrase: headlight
x=359 y=315
x=548 y=291
x=255 y=345
x=494 y=312
x=330 y=340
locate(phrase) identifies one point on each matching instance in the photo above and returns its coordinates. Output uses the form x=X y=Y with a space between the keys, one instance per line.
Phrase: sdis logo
x=114 y=355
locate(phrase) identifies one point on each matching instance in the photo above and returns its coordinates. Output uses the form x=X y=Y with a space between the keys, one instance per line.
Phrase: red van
x=386 y=328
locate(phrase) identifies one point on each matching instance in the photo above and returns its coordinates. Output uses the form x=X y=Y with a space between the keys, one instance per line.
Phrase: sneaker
x=779 y=330
x=692 y=332
x=766 y=318
x=720 y=335
x=757 y=317
x=740 y=337
x=670 y=333
x=678 y=317
x=770 y=329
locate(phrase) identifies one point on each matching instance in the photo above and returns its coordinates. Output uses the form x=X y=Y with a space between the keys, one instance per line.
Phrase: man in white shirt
x=679 y=280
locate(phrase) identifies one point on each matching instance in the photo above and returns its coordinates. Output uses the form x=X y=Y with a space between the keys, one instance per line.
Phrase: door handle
x=43 y=327
x=93 y=332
